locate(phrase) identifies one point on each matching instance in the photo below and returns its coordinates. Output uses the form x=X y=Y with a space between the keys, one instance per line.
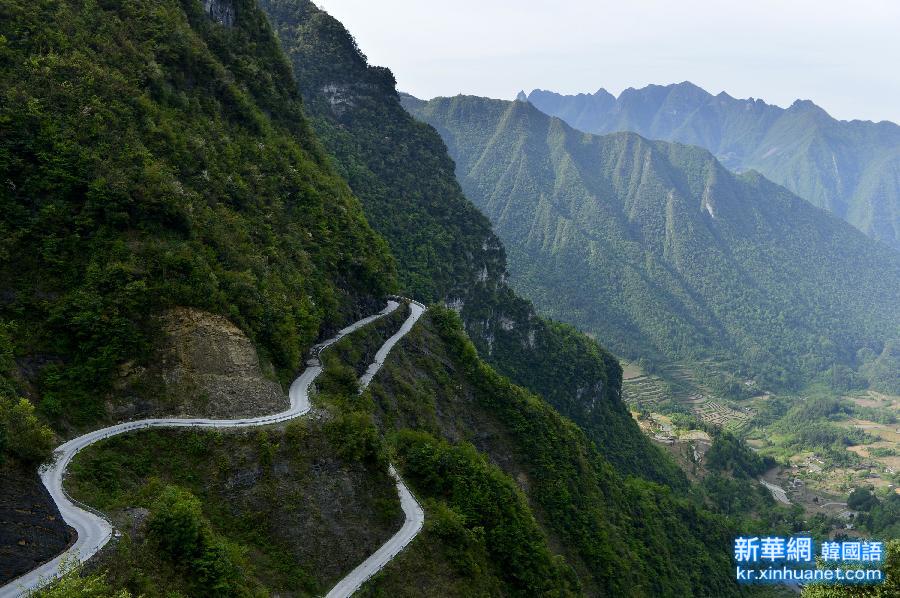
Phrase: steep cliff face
x=220 y=11
x=202 y=365
x=445 y=247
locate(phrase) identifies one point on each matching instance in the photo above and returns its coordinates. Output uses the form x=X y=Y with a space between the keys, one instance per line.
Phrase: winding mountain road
x=94 y=530
x=415 y=516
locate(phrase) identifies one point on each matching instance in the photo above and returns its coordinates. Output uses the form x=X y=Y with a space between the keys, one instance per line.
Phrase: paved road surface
x=94 y=531
x=415 y=516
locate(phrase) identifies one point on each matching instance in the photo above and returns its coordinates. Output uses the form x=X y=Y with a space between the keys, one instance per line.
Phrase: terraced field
x=643 y=390
x=677 y=383
x=722 y=415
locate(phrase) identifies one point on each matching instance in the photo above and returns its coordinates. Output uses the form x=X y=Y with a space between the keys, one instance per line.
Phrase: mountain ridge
x=237 y=174
x=667 y=244
x=605 y=94
x=849 y=167
x=445 y=246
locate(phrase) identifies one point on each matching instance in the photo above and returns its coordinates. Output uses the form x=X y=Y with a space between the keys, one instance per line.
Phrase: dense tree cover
x=814 y=409
x=848 y=168
x=583 y=382
x=729 y=453
x=657 y=249
x=445 y=248
x=397 y=166
x=883 y=517
x=888 y=589
x=729 y=486
x=22 y=435
x=624 y=536
x=879 y=514
x=882 y=370
x=488 y=504
x=861 y=499
x=150 y=157
x=214 y=566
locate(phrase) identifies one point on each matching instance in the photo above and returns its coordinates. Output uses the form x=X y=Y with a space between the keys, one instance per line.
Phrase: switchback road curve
x=94 y=530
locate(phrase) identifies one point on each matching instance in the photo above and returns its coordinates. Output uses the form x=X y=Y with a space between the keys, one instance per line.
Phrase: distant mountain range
x=851 y=168
x=656 y=248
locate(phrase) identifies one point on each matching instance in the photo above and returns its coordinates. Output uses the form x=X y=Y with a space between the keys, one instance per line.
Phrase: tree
x=176 y=523
x=888 y=589
x=73 y=585
x=862 y=499
x=22 y=435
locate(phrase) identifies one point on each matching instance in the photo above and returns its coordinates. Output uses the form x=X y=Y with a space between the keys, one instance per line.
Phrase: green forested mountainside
x=882 y=370
x=849 y=168
x=444 y=246
x=621 y=536
x=397 y=166
x=527 y=507
x=151 y=156
x=212 y=519
x=657 y=249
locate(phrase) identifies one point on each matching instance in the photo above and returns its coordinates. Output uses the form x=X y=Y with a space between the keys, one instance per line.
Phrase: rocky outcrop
x=205 y=365
x=221 y=11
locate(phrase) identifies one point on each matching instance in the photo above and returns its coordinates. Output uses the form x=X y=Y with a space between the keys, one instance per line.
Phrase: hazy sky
x=844 y=55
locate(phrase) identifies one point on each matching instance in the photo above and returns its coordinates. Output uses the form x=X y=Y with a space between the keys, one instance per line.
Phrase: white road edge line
x=94 y=530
